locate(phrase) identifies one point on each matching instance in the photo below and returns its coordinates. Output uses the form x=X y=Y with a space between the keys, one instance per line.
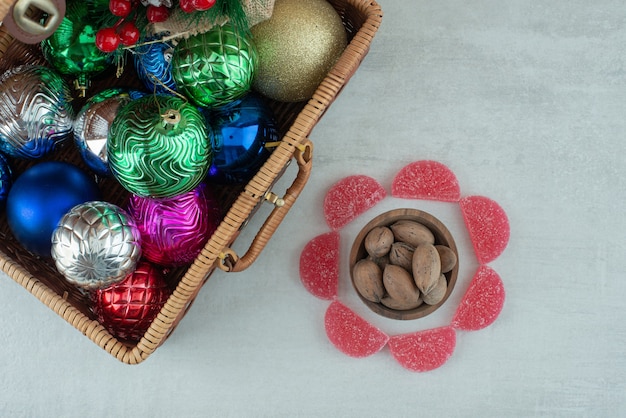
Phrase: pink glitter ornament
x=174 y=230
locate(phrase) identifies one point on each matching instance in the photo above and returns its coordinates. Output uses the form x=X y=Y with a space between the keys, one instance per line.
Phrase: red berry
x=157 y=14
x=203 y=4
x=120 y=8
x=187 y=6
x=107 y=40
x=129 y=34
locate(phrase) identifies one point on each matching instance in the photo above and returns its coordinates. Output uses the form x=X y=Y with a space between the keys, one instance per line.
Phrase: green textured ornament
x=158 y=146
x=215 y=67
x=72 y=50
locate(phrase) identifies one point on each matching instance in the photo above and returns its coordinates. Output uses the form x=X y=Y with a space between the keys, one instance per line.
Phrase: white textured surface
x=525 y=101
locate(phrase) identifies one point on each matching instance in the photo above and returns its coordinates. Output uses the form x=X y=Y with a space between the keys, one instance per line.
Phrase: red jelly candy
x=350 y=197
x=350 y=333
x=482 y=303
x=425 y=350
x=488 y=227
x=319 y=265
x=428 y=180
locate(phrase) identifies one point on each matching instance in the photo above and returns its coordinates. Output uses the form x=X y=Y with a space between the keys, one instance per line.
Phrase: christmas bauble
x=174 y=230
x=6 y=179
x=153 y=64
x=91 y=128
x=158 y=147
x=35 y=111
x=39 y=198
x=72 y=49
x=126 y=309
x=215 y=67
x=297 y=47
x=96 y=244
x=240 y=132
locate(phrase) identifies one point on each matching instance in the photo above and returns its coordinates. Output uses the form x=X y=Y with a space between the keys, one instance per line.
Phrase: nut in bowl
x=404 y=264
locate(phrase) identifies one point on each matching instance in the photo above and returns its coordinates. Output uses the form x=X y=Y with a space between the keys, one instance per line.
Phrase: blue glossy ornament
x=241 y=131
x=40 y=197
x=6 y=179
x=153 y=63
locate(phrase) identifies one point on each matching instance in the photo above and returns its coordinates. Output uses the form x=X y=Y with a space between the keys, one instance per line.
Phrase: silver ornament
x=96 y=244
x=35 y=111
x=91 y=129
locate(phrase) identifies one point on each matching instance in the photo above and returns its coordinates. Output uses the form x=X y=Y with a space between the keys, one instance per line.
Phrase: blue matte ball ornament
x=6 y=179
x=40 y=197
x=241 y=131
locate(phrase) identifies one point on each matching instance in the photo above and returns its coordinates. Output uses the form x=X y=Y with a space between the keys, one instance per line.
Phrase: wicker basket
x=361 y=19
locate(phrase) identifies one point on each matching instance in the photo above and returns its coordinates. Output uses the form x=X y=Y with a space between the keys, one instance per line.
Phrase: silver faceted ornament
x=35 y=111
x=96 y=244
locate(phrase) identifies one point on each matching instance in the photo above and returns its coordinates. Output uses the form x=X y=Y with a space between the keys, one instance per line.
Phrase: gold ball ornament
x=297 y=47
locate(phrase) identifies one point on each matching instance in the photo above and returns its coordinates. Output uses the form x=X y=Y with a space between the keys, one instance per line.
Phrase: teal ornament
x=158 y=147
x=35 y=112
x=72 y=49
x=215 y=67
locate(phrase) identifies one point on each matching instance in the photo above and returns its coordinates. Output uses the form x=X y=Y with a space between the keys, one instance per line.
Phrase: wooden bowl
x=442 y=237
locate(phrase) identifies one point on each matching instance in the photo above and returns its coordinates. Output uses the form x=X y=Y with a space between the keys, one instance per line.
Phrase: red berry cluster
x=125 y=31
x=190 y=6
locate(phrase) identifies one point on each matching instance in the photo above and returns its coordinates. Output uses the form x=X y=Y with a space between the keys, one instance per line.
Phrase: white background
x=525 y=101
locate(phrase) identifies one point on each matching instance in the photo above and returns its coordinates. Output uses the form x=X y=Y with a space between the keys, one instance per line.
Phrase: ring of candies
x=487 y=226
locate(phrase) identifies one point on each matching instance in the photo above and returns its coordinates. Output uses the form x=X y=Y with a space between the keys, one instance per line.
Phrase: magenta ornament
x=174 y=230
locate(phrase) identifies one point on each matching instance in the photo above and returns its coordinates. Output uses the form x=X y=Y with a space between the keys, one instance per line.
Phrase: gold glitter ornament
x=297 y=47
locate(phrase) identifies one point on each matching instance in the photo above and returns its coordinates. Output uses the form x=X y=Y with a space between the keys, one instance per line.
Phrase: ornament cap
x=81 y=84
x=171 y=118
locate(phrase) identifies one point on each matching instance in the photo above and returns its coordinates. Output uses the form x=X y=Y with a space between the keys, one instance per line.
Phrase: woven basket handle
x=230 y=262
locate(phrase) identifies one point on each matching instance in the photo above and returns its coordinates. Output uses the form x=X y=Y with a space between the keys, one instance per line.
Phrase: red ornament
x=120 y=8
x=107 y=39
x=157 y=14
x=126 y=309
x=203 y=4
x=128 y=33
x=187 y=6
